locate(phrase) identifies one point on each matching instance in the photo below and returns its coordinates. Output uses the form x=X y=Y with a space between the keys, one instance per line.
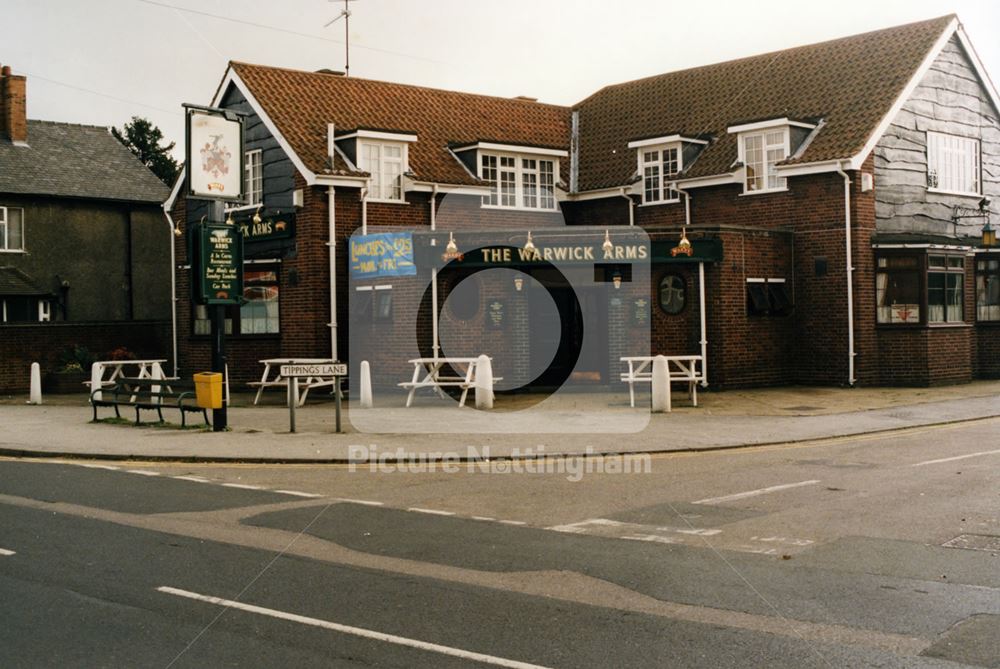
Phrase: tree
x=143 y=139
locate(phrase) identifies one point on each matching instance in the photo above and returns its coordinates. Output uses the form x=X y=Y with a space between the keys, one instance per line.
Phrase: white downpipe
x=173 y=286
x=631 y=208
x=331 y=199
x=850 y=274
x=364 y=207
x=702 y=308
x=435 y=341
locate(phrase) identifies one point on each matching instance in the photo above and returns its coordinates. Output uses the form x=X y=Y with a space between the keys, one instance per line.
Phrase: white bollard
x=367 y=402
x=96 y=373
x=484 y=383
x=35 y=393
x=661 y=385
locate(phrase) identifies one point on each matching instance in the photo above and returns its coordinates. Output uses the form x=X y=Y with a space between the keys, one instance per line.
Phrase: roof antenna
x=345 y=14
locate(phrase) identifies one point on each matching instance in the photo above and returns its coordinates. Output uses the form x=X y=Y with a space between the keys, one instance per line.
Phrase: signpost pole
x=220 y=417
x=337 y=383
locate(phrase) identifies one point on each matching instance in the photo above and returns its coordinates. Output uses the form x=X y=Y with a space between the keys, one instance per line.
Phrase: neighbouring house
x=84 y=244
x=834 y=197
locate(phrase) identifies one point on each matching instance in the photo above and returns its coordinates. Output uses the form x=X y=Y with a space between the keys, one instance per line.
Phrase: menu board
x=220 y=270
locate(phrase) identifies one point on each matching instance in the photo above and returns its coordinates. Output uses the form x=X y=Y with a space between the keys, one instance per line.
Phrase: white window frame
x=254 y=182
x=380 y=176
x=5 y=230
x=762 y=133
x=665 y=194
x=949 y=160
x=44 y=311
x=522 y=180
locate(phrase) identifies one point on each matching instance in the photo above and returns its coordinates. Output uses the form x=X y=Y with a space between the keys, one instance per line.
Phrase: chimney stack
x=13 y=106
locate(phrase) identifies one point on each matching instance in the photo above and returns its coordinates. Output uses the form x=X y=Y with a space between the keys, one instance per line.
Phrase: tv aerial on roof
x=345 y=14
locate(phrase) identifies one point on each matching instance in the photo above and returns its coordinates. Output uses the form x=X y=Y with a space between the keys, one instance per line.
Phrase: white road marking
x=513 y=522
x=957 y=457
x=433 y=512
x=356 y=631
x=298 y=494
x=483 y=518
x=142 y=472
x=359 y=501
x=4 y=552
x=241 y=486
x=754 y=493
x=111 y=467
x=196 y=479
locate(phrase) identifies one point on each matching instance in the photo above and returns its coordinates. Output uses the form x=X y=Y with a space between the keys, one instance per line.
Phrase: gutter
x=631 y=207
x=702 y=307
x=435 y=343
x=850 y=275
x=331 y=199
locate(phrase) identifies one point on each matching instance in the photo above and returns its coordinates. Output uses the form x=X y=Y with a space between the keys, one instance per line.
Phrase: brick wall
x=44 y=342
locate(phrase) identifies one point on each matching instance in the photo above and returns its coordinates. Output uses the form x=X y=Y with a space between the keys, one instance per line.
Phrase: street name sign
x=300 y=371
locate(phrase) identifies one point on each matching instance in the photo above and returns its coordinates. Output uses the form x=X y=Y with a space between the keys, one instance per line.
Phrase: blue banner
x=382 y=254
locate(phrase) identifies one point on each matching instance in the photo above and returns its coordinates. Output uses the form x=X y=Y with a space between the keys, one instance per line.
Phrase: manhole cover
x=974 y=542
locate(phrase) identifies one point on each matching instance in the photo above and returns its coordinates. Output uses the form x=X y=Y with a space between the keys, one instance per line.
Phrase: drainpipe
x=850 y=274
x=631 y=208
x=331 y=200
x=435 y=343
x=701 y=292
x=173 y=285
x=364 y=207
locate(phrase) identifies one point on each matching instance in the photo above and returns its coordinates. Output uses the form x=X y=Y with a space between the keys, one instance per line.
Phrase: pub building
x=819 y=216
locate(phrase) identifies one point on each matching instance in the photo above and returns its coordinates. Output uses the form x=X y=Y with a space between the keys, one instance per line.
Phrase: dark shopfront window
x=917 y=288
x=988 y=288
x=259 y=312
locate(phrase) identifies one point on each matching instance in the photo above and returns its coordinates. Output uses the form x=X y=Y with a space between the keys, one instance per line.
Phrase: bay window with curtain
x=920 y=288
x=988 y=288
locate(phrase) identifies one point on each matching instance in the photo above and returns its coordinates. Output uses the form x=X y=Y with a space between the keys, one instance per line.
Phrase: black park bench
x=149 y=395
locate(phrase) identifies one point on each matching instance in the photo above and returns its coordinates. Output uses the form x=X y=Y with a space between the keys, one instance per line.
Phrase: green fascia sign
x=217 y=263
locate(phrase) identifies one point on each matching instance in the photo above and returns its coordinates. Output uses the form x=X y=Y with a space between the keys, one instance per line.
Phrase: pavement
x=520 y=426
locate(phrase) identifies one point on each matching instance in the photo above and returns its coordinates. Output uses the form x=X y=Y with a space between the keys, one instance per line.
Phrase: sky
x=103 y=61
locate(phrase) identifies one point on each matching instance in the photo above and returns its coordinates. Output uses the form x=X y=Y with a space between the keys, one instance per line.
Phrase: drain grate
x=803 y=408
x=974 y=542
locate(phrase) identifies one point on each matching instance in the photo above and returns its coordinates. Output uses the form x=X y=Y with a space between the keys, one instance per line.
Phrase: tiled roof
x=851 y=83
x=301 y=104
x=15 y=282
x=69 y=160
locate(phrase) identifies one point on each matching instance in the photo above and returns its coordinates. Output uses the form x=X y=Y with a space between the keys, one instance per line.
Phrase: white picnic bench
x=107 y=372
x=429 y=373
x=680 y=368
x=272 y=378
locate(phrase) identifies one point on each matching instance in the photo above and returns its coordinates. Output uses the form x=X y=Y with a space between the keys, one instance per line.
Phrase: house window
x=917 y=288
x=44 y=311
x=258 y=314
x=19 y=309
x=953 y=164
x=658 y=167
x=768 y=297
x=253 y=173
x=11 y=229
x=518 y=181
x=672 y=294
x=761 y=154
x=988 y=289
x=372 y=303
x=385 y=163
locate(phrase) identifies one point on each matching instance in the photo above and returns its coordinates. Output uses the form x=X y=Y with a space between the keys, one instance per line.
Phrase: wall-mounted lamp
x=616 y=279
x=229 y=218
x=256 y=215
x=989 y=235
x=607 y=246
x=529 y=245
x=518 y=283
x=452 y=247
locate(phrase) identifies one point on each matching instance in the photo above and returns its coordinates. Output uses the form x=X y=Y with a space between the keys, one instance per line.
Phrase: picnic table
x=432 y=373
x=107 y=372
x=272 y=376
x=680 y=368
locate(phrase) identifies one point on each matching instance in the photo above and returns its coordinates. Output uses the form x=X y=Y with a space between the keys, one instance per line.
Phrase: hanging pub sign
x=267 y=226
x=214 y=153
x=382 y=254
x=217 y=263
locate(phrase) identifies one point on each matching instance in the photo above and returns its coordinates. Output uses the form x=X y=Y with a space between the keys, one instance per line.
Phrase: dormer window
x=765 y=144
x=384 y=155
x=660 y=162
x=519 y=177
x=384 y=161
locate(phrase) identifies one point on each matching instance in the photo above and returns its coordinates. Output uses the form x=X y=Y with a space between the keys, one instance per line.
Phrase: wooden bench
x=148 y=395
